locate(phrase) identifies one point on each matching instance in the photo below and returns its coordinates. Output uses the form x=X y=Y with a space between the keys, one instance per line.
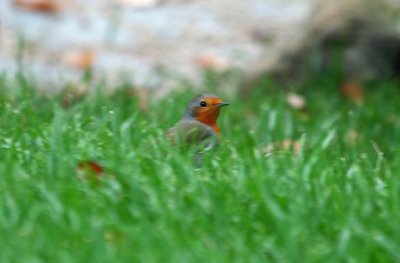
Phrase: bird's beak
x=222 y=104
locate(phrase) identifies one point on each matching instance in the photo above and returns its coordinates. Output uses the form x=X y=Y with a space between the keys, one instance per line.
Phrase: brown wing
x=193 y=133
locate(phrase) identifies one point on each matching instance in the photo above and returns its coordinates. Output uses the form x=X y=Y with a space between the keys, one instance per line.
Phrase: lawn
x=332 y=195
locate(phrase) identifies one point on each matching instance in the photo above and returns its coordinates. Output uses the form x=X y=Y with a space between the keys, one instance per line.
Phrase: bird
x=198 y=129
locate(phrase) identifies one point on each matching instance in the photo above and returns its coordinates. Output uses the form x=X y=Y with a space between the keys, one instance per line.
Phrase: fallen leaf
x=44 y=6
x=90 y=166
x=209 y=61
x=296 y=101
x=353 y=92
x=90 y=171
x=83 y=59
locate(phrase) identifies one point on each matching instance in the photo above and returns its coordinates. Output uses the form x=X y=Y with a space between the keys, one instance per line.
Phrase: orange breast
x=209 y=117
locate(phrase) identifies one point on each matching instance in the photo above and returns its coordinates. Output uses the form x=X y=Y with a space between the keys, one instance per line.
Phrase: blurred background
x=308 y=165
x=157 y=43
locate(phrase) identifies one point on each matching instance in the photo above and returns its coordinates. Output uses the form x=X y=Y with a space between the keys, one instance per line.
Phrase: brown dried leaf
x=89 y=171
x=209 y=61
x=44 y=6
x=353 y=92
x=90 y=166
x=83 y=59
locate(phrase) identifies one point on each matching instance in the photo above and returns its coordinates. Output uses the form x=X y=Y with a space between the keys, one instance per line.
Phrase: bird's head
x=205 y=109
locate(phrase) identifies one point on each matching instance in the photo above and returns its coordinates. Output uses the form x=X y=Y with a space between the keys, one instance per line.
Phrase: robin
x=198 y=128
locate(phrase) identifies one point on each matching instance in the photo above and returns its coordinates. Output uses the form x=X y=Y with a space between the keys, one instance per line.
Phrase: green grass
x=336 y=200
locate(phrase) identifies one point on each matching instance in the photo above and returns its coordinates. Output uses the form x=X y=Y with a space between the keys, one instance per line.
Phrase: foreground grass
x=335 y=200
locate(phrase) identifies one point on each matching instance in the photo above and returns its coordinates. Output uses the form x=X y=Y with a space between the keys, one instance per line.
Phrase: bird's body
x=193 y=134
x=198 y=129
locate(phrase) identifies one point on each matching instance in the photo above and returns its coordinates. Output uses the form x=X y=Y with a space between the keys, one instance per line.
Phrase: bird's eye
x=203 y=104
